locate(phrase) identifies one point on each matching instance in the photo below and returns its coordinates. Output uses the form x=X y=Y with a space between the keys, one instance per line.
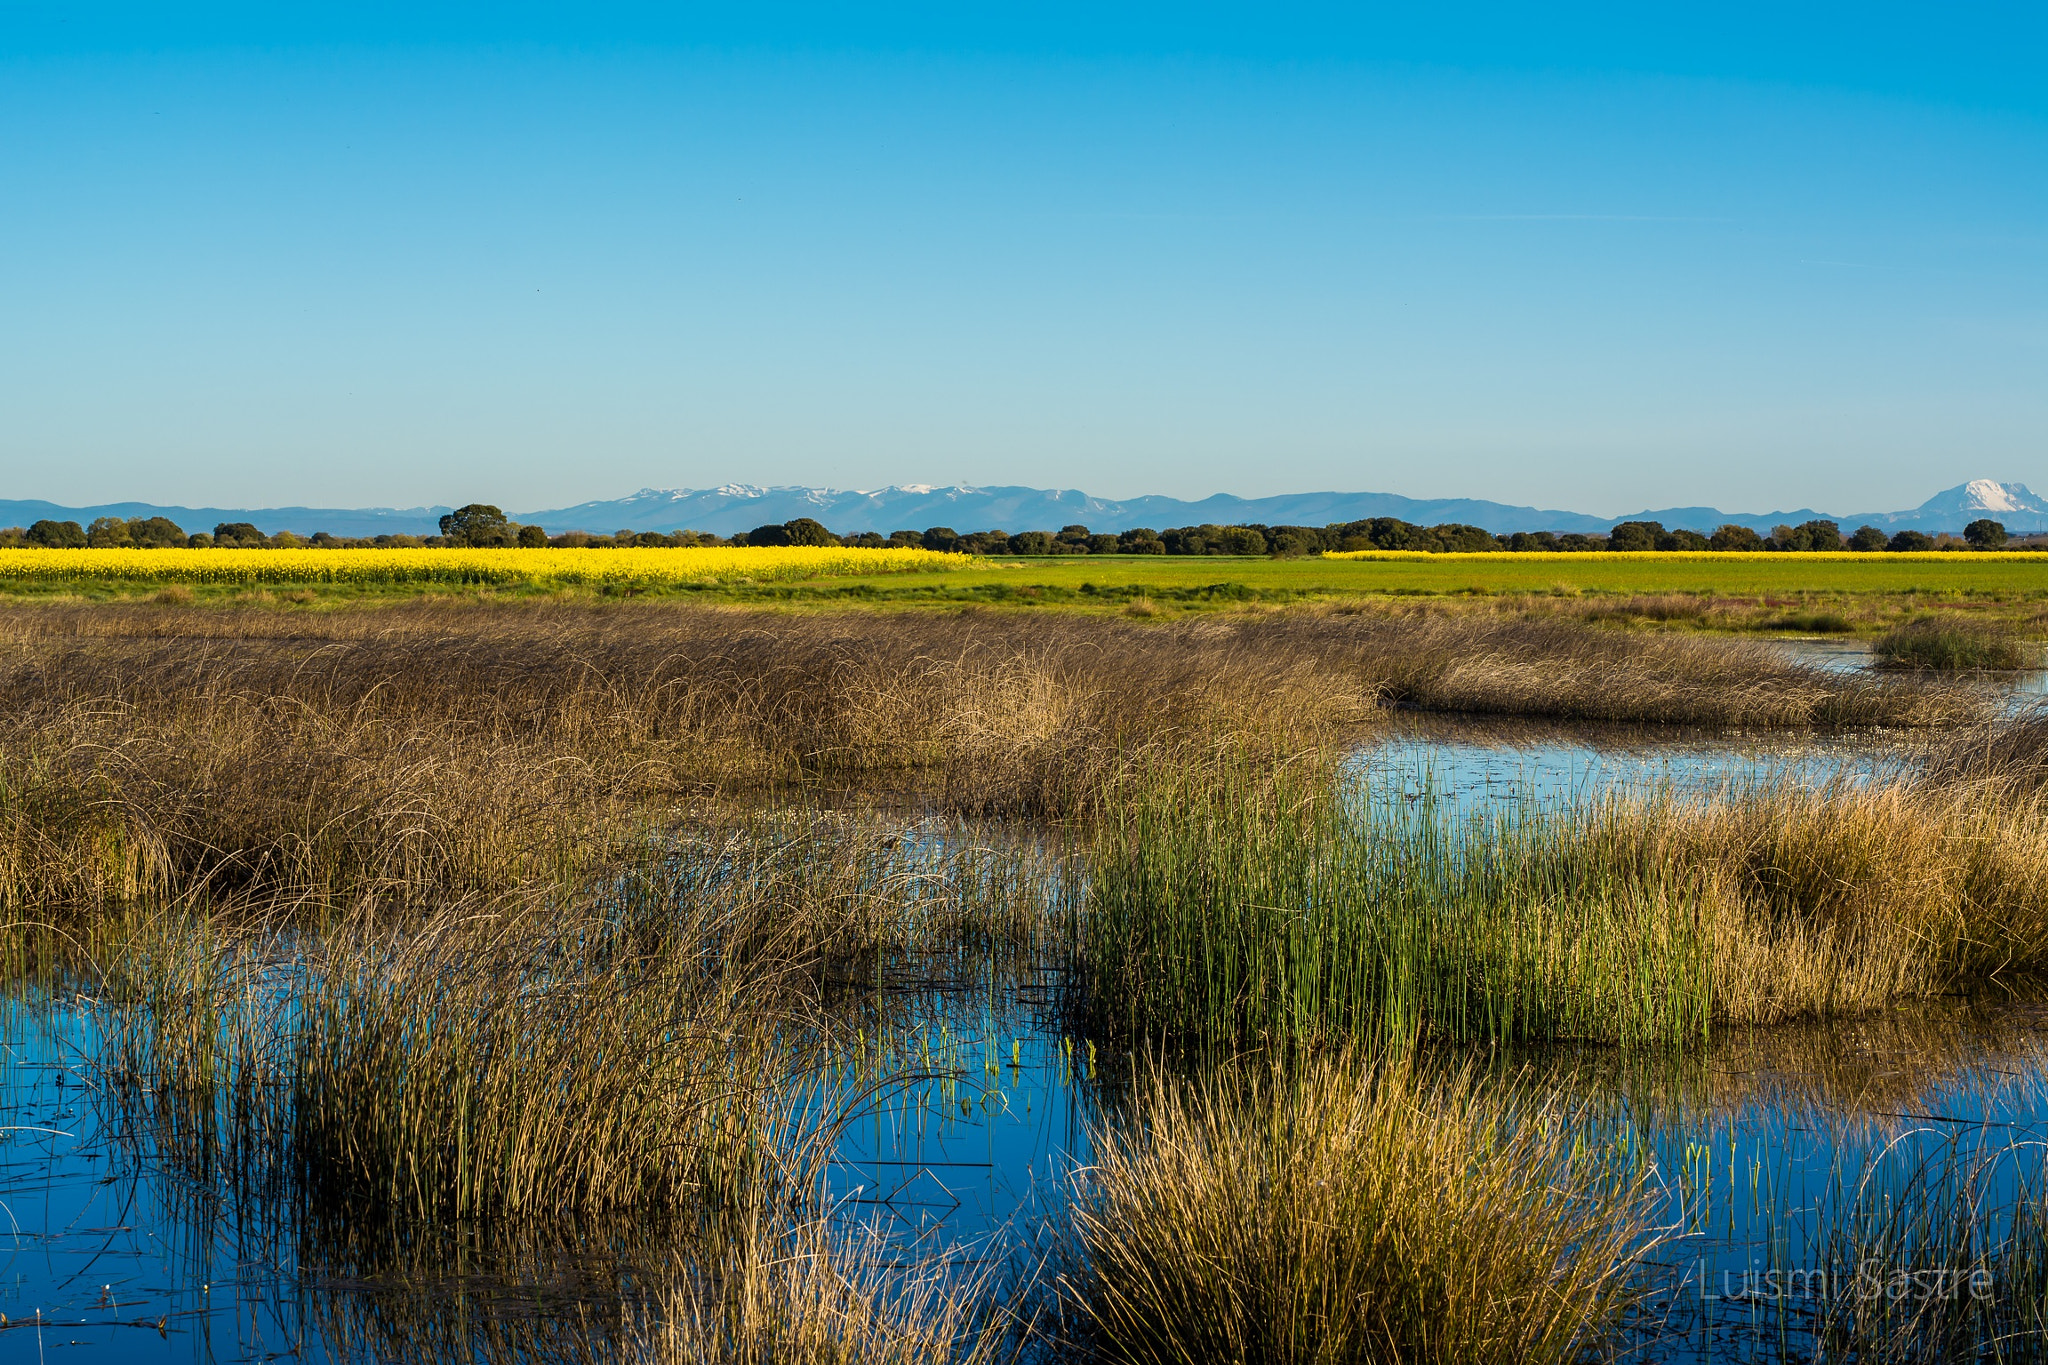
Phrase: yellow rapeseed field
x=653 y=567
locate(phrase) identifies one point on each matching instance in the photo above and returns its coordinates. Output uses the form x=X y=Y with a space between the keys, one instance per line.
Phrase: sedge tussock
x=1345 y=1209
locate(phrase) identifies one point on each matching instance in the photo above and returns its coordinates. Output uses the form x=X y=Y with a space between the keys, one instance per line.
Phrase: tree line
x=483 y=525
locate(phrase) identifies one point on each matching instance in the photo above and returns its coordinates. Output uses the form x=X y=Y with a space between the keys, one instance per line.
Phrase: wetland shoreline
x=515 y=939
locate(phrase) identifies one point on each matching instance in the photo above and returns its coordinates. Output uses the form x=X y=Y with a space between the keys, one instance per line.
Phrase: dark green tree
x=1906 y=541
x=940 y=538
x=156 y=532
x=1242 y=540
x=107 y=533
x=1458 y=538
x=57 y=535
x=532 y=538
x=229 y=534
x=1733 y=537
x=1867 y=538
x=1820 y=535
x=479 y=523
x=1985 y=534
x=805 y=531
x=1682 y=539
x=1635 y=535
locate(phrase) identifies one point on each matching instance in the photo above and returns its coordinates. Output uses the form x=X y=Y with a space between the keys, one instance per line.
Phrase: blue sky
x=1592 y=257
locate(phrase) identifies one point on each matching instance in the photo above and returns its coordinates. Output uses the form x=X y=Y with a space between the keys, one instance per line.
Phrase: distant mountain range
x=741 y=507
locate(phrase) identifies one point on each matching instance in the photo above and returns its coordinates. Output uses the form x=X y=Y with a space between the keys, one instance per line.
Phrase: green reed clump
x=1950 y=644
x=1349 y=1210
x=1239 y=908
x=1225 y=905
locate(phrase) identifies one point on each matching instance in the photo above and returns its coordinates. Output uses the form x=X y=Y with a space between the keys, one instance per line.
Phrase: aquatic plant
x=1347 y=1209
x=1239 y=908
x=1228 y=906
x=654 y=1044
x=1948 y=643
x=815 y=1292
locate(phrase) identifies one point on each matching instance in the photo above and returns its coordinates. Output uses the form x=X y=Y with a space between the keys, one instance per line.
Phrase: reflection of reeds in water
x=1843 y=1076
x=1948 y=1262
x=1342 y=1210
x=1231 y=906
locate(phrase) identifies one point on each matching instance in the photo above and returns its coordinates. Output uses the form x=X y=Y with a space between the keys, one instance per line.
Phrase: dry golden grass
x=419 y=753
x=1549 y=666
x=1848 y=898
x=655 y=1046
x=1345 y=1211
x=431 y=750
x=810 y=1293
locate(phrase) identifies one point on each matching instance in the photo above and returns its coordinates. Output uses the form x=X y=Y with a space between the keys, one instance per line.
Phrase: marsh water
x=1766 y=1149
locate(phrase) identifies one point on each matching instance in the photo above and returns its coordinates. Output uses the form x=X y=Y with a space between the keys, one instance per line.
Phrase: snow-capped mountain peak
x=1989 y=496
x=1981 y=497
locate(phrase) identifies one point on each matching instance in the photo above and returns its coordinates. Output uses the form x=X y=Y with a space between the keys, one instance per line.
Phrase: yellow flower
x=649 y=566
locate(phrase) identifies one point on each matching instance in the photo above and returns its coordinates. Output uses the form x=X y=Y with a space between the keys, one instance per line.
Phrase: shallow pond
x=1763 y=1147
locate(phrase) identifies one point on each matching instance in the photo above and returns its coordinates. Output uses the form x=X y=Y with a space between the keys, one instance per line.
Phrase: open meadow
x=478 y=975
x=1796 y=592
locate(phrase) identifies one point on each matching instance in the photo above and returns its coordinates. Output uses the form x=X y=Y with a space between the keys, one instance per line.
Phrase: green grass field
x=1871 y=589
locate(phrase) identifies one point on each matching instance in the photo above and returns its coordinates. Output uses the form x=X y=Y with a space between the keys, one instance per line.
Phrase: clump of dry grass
x=654 y=1046
x=808 y=1292
x=1353 y=1211
x=1840 y=900
x=1505 y=665
x=1950 y=644
x=2005 y=758
x=421 y=754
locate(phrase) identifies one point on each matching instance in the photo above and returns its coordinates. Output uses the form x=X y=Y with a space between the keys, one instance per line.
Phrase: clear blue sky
x=1597 y=257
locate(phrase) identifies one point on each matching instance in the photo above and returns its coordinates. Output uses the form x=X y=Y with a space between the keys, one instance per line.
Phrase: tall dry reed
x=812 y=1292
